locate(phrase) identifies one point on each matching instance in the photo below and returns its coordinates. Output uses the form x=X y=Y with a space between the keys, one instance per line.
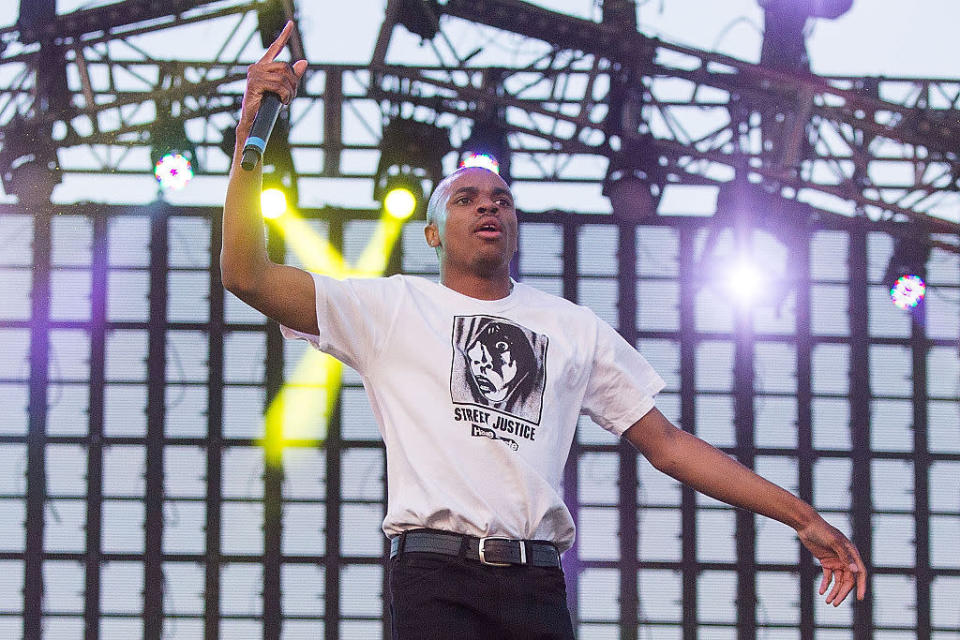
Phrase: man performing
x=477 y=383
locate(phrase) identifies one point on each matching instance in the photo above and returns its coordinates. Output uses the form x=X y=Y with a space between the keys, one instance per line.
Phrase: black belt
x=492 y=550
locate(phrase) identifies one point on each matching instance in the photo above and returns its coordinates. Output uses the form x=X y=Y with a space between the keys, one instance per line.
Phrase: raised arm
x=281 y=292
x=701 y=466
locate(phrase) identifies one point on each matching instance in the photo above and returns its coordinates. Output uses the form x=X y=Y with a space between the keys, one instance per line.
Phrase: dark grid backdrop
x=135 y=502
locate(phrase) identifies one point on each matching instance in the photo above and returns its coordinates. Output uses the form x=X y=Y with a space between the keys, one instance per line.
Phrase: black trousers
x=438 y=597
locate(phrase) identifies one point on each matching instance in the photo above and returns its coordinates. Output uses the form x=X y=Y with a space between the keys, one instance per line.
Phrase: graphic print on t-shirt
x=500 y=365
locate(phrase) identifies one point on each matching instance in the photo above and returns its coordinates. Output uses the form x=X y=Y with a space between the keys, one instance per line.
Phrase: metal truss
x=597 y=86
x=119 y=75
x=880 y=148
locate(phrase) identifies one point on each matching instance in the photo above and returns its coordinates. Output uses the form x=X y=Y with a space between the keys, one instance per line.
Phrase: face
x=492 y=364
x=478 y=234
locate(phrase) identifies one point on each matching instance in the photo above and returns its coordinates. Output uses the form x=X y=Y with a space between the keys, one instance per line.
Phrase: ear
x=432 y=234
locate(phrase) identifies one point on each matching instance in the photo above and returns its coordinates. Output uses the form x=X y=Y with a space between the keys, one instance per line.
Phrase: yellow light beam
x=373 y=260
x=301 y=409
x=303 y=406
x=315 y=251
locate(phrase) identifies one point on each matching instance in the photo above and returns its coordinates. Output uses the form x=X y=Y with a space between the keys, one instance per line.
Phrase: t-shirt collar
x=501 y=303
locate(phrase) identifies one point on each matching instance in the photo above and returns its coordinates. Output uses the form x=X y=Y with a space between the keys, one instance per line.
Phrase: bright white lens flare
x=173 y=172
x=400 y=203
x=482 y=160
x=273 y=203
x=908 y=291
x=745 y=282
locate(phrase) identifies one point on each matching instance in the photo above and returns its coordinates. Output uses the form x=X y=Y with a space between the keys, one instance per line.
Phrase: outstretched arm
x=281 y=292
x=705 y=468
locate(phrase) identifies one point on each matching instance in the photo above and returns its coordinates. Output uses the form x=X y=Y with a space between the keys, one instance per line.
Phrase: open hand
x=839 y=558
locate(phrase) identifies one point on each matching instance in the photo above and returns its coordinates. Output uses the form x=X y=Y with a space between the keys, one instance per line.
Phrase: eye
x=462 y=200
x=505 y=202
x=502 y=346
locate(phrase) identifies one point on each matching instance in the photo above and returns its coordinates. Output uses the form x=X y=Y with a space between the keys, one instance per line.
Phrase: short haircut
x=437 y=205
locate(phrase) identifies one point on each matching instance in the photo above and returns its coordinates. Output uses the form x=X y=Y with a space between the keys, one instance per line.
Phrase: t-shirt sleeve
x=622 y=383
x=354 y=316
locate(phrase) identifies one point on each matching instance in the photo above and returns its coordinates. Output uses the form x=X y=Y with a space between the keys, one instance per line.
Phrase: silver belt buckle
x=483 y=559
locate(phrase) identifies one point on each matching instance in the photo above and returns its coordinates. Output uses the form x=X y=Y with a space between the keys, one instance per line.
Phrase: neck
x=492 y=287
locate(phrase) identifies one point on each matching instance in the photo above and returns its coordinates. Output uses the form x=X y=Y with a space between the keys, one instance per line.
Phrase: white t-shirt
x=478 y=401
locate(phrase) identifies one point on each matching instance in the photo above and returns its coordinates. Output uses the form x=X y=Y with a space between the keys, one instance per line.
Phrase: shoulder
x=535 y=297
x=412 y=282
x=377 y=291
x=402 y=287
x=413 y=285
x=374 y=285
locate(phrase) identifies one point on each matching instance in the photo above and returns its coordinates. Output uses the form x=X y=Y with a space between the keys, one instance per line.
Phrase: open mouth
x=489 y=229
x=485 y=385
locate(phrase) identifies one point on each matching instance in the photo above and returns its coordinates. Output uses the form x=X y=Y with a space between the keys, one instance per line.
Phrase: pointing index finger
x=277 y=45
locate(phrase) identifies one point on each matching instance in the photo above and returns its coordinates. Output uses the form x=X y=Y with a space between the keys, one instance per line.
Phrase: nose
x=483 y=361
x=487 y=205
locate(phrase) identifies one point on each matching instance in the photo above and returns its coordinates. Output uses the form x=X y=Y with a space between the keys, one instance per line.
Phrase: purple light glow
x=745 y=282
x=908 y=291
x=173 y=172
x=484 y=160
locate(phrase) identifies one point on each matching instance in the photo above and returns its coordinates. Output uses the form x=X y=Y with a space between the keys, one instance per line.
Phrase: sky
x=877 y=37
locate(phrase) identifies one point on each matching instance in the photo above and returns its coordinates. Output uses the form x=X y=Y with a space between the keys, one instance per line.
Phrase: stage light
x=908 y=291
x=32 y=180
x=487 y=147
x=29 y=168
x=402 y=194
x=482 y=160
x=173 y=171
x=279 y=192
x=174 y=157
x=273 y=203
x=400 y=203
x=634 y=180
x=744 y=281
x=410 y=154
x=420 y=17
x=906 y=273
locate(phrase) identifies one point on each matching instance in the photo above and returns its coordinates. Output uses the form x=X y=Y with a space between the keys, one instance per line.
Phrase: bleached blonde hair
x=437 y=205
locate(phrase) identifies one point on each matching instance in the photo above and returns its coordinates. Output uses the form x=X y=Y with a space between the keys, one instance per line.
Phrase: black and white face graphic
x=493 y=360
x=498 y=364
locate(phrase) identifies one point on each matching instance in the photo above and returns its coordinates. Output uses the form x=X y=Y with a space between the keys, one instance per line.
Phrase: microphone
x=260 y=131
